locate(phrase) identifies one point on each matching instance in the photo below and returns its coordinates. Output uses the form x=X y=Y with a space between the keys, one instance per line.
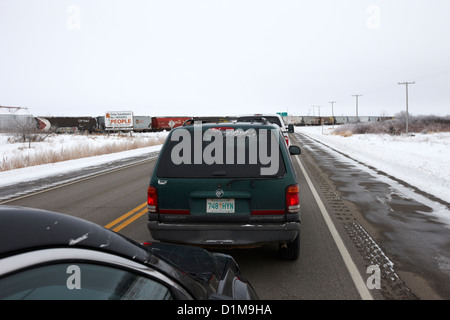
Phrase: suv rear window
x=222 y=152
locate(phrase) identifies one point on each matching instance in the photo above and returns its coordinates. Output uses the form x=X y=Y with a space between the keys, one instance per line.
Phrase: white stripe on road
x=354 y=273
x=67 y=182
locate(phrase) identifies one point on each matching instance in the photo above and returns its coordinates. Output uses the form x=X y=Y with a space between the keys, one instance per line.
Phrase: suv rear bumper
x=233 y=235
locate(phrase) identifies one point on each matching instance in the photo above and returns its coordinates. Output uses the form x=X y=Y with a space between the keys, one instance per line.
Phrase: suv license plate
x=220 y=205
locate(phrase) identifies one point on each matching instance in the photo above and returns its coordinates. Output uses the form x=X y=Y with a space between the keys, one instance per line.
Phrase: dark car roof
x=234 y=125
x=24 y=229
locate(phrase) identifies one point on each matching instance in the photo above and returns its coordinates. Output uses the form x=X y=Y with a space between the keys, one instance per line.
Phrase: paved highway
x=334 y=244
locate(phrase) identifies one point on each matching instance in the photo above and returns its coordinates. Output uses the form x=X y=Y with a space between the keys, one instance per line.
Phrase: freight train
x=97 y=124
x=151 y=124
x=316 y=121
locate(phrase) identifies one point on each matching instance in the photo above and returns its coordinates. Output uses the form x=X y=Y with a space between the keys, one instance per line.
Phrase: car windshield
x=222 y=152
x=98 y=282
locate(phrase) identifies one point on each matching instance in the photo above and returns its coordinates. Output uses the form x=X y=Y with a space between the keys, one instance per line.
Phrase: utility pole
x=332 y=111
x=320 y=119
x=407 y=113
x=357 y=95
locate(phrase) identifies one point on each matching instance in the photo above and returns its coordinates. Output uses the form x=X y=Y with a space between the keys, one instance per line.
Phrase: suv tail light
x=292 y=199
x=152 y=199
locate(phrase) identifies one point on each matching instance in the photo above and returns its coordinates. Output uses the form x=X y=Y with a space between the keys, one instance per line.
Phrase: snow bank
x=422 y=160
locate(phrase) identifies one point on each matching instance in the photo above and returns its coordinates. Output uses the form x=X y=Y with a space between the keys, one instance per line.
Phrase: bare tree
x=26 y=130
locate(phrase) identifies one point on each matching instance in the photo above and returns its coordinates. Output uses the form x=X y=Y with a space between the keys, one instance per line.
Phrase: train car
x=11 y=123
x=142 y=123
x=67 y=124
x=311 y=121
x=352 y=119
x=167 y=123
x=364 y=119
x=340 y=120
x=327 y=121
x=295 y=120
x=101 y=125
x=15 y=118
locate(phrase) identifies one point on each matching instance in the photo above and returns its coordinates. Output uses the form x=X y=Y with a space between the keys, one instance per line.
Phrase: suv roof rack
x=253 y=119
x=209 y=120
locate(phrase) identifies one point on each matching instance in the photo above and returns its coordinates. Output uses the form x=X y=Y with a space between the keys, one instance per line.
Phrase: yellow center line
x=127 y=222
x=125 y=216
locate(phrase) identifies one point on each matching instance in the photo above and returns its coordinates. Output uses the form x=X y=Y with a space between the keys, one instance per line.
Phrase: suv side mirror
x=290 y=128
x=294 y=150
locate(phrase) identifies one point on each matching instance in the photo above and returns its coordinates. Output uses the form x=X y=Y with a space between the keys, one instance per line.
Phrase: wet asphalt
x=401 y=222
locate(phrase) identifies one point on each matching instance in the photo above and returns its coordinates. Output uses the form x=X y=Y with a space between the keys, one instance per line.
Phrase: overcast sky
x=220 y=57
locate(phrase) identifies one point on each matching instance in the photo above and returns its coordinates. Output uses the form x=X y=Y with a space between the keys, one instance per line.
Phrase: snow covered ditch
x=422 y=160
x=61 y=147
x=62 y=153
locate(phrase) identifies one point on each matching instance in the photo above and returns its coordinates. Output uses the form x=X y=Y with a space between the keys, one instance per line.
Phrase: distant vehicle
x=272 y=118
x=291 y=128
x=46 y=255
x=211 y=187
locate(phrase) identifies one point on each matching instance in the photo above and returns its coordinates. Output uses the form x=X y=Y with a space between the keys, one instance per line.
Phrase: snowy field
x=82 y=150
x=422 y=160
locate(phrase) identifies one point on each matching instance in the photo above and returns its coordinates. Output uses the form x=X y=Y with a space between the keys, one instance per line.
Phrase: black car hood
x=26 y=229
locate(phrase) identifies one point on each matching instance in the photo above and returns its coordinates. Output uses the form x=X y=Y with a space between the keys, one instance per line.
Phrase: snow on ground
x=422 y=160
x=65 y=144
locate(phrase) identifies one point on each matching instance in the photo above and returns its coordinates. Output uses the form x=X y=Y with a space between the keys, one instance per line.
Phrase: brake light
x=292 y=199
x=152 y=199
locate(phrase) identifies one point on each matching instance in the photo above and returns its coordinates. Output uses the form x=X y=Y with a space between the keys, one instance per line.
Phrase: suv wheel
x=291 y=251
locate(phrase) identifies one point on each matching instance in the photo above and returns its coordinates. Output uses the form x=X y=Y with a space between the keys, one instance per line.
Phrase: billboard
x=122 y=120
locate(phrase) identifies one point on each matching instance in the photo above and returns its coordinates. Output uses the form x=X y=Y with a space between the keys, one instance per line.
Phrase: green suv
x=226 y=184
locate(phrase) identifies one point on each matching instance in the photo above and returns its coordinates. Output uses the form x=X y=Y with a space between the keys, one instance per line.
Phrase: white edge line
x=73 y=181
x=351 y=267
